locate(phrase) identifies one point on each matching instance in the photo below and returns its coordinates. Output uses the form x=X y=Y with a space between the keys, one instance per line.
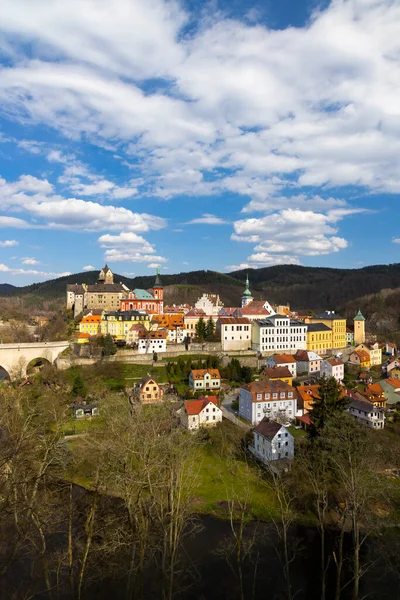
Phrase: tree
x=328 y=402
x=201 y=329
x=79 y=387
x=209 y=329
x=155 y=357
x=108 y=346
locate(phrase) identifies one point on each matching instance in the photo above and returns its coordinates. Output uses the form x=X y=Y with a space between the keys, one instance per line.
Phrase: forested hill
x=302 y=287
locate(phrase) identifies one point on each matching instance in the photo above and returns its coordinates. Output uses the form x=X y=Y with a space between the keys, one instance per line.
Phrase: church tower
x=158 y=292
x=106 y=276
x=359 y=328
x=246 y=297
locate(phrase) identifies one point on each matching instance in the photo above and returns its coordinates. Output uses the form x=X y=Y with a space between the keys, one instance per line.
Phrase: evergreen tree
x=108 y=346
x=210 y=329
x=327 y=404
x=201 y=329
x=78 y=387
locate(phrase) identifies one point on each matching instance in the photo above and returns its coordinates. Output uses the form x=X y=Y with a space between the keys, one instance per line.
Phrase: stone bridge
x=14 y=358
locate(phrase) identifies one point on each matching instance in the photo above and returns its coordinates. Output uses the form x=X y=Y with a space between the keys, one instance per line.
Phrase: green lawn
x=136 y=371
x=297 y=433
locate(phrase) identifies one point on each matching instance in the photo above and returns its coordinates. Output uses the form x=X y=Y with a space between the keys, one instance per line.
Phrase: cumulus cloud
x=5 y=269
x=89 y=268
x=127 y=255
x=30 y=261
x=8 y=243
x=207 y=219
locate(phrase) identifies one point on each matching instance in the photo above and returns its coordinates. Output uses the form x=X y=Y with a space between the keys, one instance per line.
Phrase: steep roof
x=271 y=386
x=364 y=405
x=234 y=321
x=268 y=428
x=157 y=283
x=395 y=383
x=194 y=407
x=363 y=355
x=143 y=294
x=281 y=359
x=200 y=373
x=195 y=312
x=306 y=355
x=160 y=334
x=276 y=372
x=315 y=327
x=334 y=362
x=359 y=316
x=111 y=288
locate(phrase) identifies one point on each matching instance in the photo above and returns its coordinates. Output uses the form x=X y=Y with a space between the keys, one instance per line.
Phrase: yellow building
x=90 y=324
x=319 y=338
x=336 y=323
x=118 y=324
x=360 y=358
x=374 y=351
x=277 y=374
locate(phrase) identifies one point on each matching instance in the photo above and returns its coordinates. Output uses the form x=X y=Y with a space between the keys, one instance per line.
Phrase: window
x=274 y=395
x=267 y=396
x=282 y=395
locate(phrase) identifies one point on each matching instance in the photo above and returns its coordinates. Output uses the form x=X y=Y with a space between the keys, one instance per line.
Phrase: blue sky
x=193 y=135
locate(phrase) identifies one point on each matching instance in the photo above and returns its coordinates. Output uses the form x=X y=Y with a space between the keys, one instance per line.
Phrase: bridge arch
x=37 y=363
x=4 y=372
x=16 y=357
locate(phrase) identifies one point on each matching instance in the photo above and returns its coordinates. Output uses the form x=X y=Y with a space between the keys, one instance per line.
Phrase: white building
x=283 y=360
x=204 y=379
x=279 y=333
x=333 y=367
x=210 y=303
x=203 y=412
x=367 y=413
x=272 y=441
x=308 y=362
x=276 y=400
x=235 y=333
x=152 y=341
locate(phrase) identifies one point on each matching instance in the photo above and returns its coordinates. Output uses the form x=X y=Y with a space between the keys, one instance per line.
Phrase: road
x=228 y=411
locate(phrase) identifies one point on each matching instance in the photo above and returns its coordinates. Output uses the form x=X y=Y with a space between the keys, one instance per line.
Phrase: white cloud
x=5 y=269
x=8 y=243
x=13 y=222
x=396 y=241
x=126 y=240
x=89 y=268
x=207 y=219
x=30 y=261
x=127 y=255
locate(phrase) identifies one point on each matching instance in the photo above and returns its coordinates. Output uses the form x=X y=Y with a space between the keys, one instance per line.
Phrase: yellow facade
x=90 y=325
x=338 y=326
x=118 y=324
x=319 y=341
x=375 y=353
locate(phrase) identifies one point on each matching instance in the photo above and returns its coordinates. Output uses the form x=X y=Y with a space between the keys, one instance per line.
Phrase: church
x=138 y=299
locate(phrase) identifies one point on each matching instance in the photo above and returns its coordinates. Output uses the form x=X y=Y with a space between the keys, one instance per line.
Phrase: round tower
x=246 y=297
x=158 y=292
x=359 y=328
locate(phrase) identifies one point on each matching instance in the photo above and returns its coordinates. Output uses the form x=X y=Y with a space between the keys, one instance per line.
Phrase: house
x=174 y=326
x=306 y=395
x=390 y=349
x=319 y=338
x=235 y=333
x=278 y=333
x=334 y=322
x=275 y=374
x=203 y=412
x=367 y=413
x=360 y=358
x=148 y=391
x=395 y=373
x=390 y=365
x=209 y=303
x=82 y=411
x=191 y=318
x=204 y=379
x=82 y=338
x=391 y=389
x=283 y=360
x=374 y=351
x=349 y=336
x=374 y=393
x=152 y=341
x=308 y=362
x=365 y=378
x=132 y=337
x=333 y=367
x=273 y=399
x=90 y=324
x=272 y=441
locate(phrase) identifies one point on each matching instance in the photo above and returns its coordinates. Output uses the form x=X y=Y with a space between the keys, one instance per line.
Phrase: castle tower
x=359 y=328
x=158 y=292
x=106 y=275
x=246 y=297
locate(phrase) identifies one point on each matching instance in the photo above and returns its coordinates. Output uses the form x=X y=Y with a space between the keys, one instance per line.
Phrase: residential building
x=235 y=333
x=148 y=391
x=246 y=296
x=173 y=324
x=349 y=336
x=319 y=338
x=82 y=411
x=273 y=399
x=373 y=392
x=365 y=378
x=283 y=360
x=374 y=351
x=390 y=349
x=278 y=333
x=191 y=318
x=336 y=323
x=391 y=389
x=367 y=413
x=255 y=310
x=90 y=324
x=132 y=337
x=360 y=358
x=203 y=412
x=307 y=394
x=395 y=373
x=204 y=379
x=333 y=367
x=390 y=365
x=118 y=324
x=272 y=441
x=275 y=374
x=210 y=304
x=359 y=328
x=308 y=362
x=151 y=302
x=82 y=338
x=152 y=341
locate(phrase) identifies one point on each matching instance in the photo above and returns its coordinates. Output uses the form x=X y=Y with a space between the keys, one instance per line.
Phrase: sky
x=197 y=135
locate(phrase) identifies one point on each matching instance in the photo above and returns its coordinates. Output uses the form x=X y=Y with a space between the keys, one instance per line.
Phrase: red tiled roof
x=305 y=419
x=281 y=359
x=335 y=362
x=152 y=335
x=195 y=312
x=200 y=373
x=234 y=321
x=276 y=372
x=393 y=382
x=194 y=407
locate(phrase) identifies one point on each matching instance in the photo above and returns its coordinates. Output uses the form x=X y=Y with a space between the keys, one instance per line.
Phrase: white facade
x=176 y=335
x=279 y=333
x=210 y=303
x=205 y=379
x=280 y=360
x=367 y=413
x=275 y=402
x=200 y=413
x=235 y=333
x=333 y=367
x=148 y=346
x=311 y=364
x=280 y=446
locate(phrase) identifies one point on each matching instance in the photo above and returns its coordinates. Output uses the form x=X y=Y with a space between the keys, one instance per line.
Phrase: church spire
x=247 y=297
x=157 y=283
